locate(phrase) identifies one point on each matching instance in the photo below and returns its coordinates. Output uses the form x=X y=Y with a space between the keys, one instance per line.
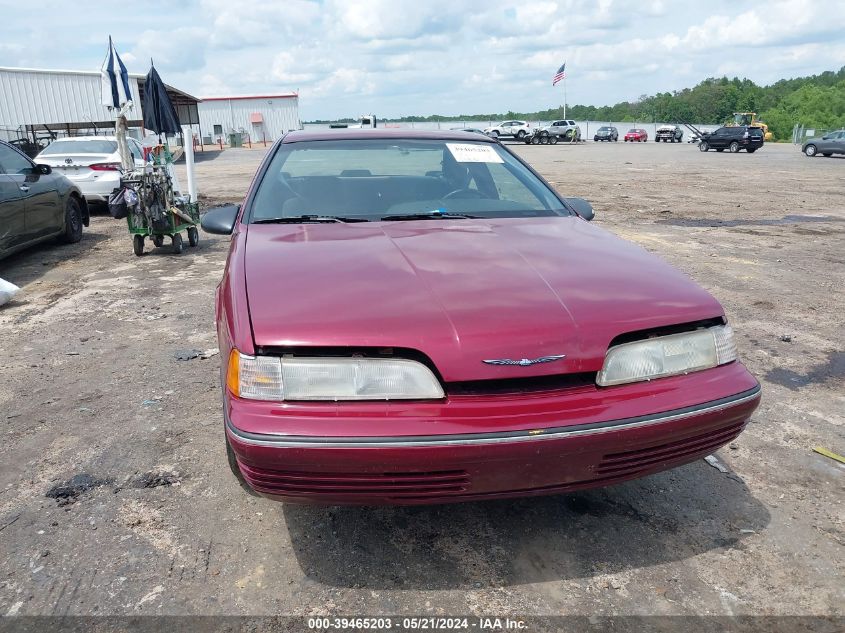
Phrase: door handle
x=24 y=188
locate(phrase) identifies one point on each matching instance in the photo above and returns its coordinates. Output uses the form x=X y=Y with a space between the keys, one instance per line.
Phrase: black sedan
x=827 y=145
x=606 y=133
x=36 y=204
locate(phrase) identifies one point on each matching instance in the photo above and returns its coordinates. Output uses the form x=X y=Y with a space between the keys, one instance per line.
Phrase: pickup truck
x=669 y=134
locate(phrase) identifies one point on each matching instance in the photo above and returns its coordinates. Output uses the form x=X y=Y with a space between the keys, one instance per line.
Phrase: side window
x=13 y=163
x=510 y=188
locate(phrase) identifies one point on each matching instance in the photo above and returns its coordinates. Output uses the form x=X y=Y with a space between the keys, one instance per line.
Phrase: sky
x=418 y=57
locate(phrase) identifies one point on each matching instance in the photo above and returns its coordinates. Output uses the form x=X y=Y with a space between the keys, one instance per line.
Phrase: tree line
x=816 y=101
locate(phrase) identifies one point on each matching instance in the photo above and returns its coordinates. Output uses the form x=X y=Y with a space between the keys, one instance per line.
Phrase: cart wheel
x=177 y=243
x=193 y=236
x=553 y=140
x=138 y=244
x=158 y=240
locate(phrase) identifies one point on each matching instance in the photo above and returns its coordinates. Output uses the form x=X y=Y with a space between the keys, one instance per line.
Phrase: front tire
x=520 y=135
x=73 y=221
x=811 y=150
x=177 y=244
x=734 y=147
x=138 y=244
x=193 y=236
x=703 y=146
x=553 y=140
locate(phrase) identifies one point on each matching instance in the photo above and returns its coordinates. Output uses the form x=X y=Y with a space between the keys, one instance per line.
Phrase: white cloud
x=396 y=57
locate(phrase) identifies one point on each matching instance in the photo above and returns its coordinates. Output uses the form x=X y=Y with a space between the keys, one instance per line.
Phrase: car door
x=43 y=211
x=718 y=139
x=12 y=214
x=833 y=143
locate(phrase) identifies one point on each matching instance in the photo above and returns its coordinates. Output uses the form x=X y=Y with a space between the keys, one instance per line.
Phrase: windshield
x=604 y=129
x=81 y=147
x=375 y=178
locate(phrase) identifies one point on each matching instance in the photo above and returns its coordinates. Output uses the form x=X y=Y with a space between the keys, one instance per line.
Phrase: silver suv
x=564 y=129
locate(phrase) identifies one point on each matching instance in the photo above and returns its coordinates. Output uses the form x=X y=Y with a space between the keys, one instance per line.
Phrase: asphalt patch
x=833 y=368
x=69 y=491
x=156 y=479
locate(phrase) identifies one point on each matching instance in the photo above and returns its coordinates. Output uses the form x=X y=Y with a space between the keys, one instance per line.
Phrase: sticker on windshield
x=474 y=153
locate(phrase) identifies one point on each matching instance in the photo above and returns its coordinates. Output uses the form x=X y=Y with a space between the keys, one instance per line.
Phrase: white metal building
x=42 y=104
x=261 y=117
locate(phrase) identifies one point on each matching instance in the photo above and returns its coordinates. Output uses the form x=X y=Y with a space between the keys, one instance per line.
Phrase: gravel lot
x=115 y=496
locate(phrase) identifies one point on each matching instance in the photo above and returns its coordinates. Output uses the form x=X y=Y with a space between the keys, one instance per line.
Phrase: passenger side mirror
x=220 y=220
x=44 y=170
x=581 y=207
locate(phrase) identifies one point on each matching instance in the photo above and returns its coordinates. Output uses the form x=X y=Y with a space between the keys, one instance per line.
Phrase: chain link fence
x=801 y=133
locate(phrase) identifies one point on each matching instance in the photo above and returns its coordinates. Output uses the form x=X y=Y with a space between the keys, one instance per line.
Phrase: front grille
x=688 y=449
x=525 y=384
x=381 y=485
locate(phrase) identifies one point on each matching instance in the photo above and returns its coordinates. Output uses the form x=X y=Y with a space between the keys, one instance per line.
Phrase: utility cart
x=157 y=212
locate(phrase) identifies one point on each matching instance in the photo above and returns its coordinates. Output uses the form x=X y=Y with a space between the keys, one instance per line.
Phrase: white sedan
x=92 y=163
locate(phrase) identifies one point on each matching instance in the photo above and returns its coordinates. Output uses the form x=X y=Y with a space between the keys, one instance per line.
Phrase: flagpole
x=564 y=96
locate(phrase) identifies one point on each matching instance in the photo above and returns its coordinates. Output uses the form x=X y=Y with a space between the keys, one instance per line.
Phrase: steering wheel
x=463 y=193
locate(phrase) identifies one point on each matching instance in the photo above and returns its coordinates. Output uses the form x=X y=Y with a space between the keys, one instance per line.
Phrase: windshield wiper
x=431 y=215
x=302 y=219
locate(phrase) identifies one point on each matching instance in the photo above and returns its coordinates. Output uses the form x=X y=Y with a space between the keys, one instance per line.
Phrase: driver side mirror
x=43 y=170
x=220 y=220
x=581 y=207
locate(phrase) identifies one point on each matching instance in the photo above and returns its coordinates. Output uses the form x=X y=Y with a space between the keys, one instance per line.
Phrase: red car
x=412 y=317
x=636 y=134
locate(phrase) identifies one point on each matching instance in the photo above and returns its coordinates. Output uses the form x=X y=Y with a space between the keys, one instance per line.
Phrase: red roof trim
x=291 y=95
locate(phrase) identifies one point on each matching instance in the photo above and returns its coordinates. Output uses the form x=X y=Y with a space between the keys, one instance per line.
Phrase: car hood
x=463 y=291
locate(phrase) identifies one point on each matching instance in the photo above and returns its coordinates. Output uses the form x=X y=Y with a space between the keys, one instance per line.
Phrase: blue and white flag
x=115 y=91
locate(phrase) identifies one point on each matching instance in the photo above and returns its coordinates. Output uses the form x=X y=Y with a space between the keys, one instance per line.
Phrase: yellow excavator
x=750 y=119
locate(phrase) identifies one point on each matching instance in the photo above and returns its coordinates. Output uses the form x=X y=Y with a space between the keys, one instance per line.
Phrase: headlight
x=667 y=356
x=292 y=378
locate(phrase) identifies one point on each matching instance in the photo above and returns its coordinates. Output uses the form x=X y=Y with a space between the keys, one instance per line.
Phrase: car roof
x=328 y=134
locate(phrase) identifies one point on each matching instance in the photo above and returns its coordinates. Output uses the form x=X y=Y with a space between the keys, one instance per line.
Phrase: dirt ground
x=115 y=495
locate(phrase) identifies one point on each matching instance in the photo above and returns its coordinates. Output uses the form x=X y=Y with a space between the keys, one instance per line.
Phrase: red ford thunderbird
x=413 y=317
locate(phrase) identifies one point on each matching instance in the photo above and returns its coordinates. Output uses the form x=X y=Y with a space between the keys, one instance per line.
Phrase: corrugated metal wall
x=280 y=115
x=30 y=97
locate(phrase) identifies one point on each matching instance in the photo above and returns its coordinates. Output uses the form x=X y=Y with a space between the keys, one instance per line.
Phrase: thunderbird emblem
x=524 y=362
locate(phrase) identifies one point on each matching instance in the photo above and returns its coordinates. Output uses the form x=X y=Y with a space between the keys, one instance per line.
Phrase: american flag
x=560 y=74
